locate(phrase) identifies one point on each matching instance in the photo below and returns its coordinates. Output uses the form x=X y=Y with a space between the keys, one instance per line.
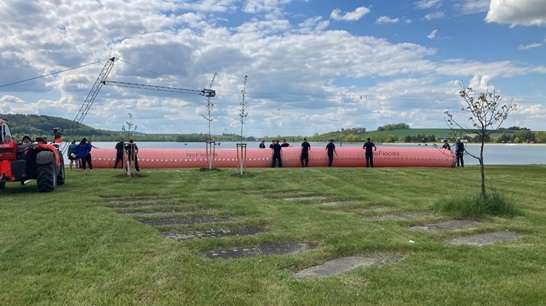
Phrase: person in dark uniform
x=276 y=147
x=459 y=151
x=446 y=145
x=331 y=150
x=120 y=147
x=285 y=143
x=262 y=145
x=305 y=148
x=369 y=148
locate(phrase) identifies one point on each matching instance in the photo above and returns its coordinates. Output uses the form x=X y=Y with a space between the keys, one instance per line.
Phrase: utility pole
x=241 y=147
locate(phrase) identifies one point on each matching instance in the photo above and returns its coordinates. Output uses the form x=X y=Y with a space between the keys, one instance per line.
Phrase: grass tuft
x=494 y=204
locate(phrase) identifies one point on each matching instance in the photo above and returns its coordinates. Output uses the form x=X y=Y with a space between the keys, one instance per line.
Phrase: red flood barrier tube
x=262 y=158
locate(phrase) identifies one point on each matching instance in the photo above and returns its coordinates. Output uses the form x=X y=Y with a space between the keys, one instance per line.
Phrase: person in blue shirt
x=83 y=152
x=369 y=147
x=331 y=150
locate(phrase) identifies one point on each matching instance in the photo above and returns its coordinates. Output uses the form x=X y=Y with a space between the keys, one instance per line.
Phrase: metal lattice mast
x=95 y=89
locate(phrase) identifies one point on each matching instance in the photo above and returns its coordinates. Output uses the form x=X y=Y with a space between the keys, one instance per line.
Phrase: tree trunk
x=482 y=167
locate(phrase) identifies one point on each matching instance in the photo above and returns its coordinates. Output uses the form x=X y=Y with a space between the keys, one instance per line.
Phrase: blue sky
x=313 y=66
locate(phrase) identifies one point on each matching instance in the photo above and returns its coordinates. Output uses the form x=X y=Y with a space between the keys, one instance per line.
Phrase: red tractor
x=26 y=161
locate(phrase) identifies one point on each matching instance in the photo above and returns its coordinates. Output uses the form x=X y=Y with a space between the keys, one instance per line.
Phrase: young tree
x=487 y=113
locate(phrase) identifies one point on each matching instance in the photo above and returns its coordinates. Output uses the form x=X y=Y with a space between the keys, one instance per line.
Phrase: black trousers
x=119 y=159
x=304 y=160
x=87 y=161
x=369 y=160
x=460 y=160
x=276 y=161
x=330 y=160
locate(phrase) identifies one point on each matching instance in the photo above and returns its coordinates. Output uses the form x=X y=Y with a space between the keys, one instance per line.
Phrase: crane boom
x=95 y=89
x=209 y=93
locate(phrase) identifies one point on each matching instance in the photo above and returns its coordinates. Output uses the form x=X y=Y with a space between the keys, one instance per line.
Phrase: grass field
x=81 y=246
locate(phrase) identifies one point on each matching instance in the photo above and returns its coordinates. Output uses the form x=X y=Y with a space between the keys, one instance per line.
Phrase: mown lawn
x=78 y=246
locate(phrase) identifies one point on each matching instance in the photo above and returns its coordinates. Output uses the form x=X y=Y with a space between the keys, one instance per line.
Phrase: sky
x=313 y=65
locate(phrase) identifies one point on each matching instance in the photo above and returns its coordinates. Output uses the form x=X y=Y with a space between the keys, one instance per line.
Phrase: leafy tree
x=487 y=111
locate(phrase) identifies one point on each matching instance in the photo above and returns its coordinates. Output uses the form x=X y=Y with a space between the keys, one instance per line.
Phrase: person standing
x=285 y=144
x=305 y=148
x=331 y=150
x=132 y=157
x=83 y=152
x=369 y=147
x=459 y=152
x=72 y=154
x=120 y=147
x=262 y=144
x=276 y=147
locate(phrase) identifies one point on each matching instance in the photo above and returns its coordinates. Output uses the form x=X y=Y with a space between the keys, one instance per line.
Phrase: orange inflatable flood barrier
x=262 y=158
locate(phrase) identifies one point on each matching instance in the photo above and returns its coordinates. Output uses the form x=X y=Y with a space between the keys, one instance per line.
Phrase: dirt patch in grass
x=345 y=264
x=140 y=203
x=136 y=197
x=447 y=225
x=400 y=216
x=485 y=238
x=160 y=209
x=313 y=198
x=270 y=248
x=246 y=230
x=181 y=220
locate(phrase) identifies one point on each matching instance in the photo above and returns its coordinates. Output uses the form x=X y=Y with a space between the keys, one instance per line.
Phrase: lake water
x=495 y=154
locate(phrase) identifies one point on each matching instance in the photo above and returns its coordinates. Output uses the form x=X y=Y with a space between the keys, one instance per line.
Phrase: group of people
x=369 y=148
x=459 y=151
x=79 y=154
x=127 y=157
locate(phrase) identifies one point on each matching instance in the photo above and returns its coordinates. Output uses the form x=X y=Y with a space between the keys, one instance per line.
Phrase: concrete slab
x=447 y=225
x=400 y=216
x=484 y=239
x=181 y=220
x=345 y=264
x=214 y=233
x=271 y=248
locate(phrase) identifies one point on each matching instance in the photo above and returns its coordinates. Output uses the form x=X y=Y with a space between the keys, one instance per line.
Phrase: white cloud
x=473 y=6
x=386 y=20
x=434 y=15
x=427 y=4
x=530 y=46
x=432 y=34
x=517 y=12
x=209 y=5
x=271 y=7
x=355 y=15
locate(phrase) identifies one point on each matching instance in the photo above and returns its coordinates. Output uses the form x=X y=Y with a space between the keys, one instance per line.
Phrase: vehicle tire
x=60 y=175
x=46 y=178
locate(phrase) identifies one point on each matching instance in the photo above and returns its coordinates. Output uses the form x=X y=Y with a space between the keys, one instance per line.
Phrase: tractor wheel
x=46 y=178
x=60 y=175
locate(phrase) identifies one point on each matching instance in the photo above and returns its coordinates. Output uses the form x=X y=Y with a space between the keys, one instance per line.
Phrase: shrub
x=494 y=204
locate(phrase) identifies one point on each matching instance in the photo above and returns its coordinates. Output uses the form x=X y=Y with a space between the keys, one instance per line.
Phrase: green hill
x=39 y=125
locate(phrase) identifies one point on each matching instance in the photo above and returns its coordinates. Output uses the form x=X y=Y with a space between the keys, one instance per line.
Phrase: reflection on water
x=497 y=154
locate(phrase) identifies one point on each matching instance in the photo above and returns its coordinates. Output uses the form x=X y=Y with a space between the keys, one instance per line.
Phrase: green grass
x=70 y=248
x=476 y=206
